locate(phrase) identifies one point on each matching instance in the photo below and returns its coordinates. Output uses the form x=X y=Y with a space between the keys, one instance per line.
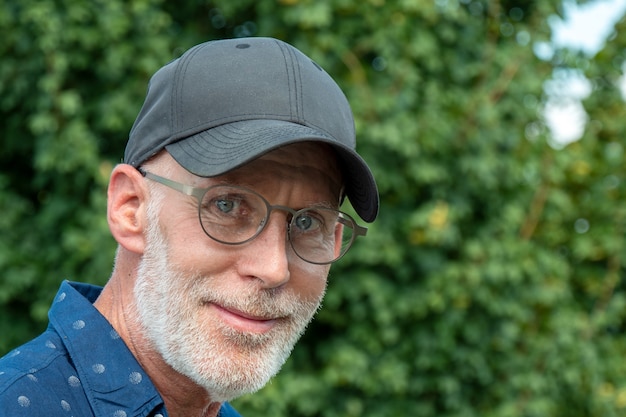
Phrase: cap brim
x=223 y=148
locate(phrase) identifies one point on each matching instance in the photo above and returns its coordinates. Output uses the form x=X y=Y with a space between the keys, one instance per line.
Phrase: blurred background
x=493 y=282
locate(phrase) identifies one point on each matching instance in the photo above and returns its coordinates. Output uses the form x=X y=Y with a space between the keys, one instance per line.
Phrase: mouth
x=244 y=322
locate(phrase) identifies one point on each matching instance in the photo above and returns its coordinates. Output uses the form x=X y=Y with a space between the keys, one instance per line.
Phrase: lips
x=243 y=321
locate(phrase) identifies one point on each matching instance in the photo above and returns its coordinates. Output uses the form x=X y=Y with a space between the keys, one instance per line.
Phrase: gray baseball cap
x=224 y=103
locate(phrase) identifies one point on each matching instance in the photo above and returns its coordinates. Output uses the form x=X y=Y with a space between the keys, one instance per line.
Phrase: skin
x=295 y=176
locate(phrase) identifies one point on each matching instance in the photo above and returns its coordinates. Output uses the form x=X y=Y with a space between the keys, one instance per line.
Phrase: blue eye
x=307 y=221
x=225 y=206
x=303 y=223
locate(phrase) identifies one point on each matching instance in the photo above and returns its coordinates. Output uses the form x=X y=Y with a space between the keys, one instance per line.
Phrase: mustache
x=267 y=303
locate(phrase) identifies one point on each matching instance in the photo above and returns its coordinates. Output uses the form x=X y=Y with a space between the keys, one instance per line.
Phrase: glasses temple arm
x=183 y=188
x=358 y=230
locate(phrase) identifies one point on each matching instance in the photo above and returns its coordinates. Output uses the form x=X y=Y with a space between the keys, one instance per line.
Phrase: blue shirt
x=78 y=367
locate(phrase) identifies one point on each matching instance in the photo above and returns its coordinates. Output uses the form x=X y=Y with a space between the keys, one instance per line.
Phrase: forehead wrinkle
x=270 y=171
x=259 y=179
x=305 y=164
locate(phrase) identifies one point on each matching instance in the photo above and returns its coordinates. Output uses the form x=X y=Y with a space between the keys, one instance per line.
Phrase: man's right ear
x=126 y=207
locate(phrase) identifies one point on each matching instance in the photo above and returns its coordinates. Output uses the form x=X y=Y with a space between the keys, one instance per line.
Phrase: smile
x=242 y=321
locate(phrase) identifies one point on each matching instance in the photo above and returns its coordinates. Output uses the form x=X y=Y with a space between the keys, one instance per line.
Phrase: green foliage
x=492 y=283
x=71 y=76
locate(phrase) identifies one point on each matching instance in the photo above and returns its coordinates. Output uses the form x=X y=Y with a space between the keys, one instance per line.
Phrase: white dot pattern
x=73 y=381
x=65 y=406
x=98 y=368
x=78 y=325
x=92 y=358
x=23 y=401
x=135 y=378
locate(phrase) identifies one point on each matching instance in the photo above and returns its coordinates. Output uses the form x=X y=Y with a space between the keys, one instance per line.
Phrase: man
x=226 y=217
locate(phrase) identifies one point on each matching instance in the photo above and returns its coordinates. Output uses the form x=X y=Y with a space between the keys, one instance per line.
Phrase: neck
x=182 y=397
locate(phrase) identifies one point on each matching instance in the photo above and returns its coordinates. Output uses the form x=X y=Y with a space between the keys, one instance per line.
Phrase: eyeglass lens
x=234 y=215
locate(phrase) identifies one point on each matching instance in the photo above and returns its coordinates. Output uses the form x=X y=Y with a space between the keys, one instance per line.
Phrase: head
x=253 y=113
x=227 y=316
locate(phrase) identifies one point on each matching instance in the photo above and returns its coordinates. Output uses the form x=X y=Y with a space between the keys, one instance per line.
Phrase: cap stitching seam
x=289 y=76
x=299 y=88
x=177 y=98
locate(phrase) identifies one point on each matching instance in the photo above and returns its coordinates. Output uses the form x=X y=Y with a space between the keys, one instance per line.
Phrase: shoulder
x=30 y=358
x=38 y=378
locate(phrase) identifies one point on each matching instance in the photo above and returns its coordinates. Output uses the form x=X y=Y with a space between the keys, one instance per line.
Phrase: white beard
x=226 y=362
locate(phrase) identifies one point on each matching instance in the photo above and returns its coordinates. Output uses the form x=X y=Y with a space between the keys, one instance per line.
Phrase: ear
x=126 y=207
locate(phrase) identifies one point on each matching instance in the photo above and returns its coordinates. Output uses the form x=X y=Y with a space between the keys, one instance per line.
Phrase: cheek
x=309 y=280
x=194 y=253
x=180 y=225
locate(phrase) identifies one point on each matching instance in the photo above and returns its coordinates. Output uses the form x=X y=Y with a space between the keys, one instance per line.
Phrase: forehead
x=310 y=159
x=306 y=164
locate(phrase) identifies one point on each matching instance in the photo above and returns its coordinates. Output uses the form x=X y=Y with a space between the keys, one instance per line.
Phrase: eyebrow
x=310 y=204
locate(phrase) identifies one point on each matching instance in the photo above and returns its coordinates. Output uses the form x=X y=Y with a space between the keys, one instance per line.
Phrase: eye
x=229 y=205
x=308 y=221
x=225 y=205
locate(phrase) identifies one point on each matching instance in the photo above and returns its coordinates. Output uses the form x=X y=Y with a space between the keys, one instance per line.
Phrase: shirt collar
x=111 y=377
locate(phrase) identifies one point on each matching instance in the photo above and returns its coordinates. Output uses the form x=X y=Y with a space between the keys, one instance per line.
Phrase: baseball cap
x=224 y=103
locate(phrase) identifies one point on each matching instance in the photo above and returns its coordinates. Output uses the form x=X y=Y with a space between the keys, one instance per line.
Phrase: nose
x=268 y=255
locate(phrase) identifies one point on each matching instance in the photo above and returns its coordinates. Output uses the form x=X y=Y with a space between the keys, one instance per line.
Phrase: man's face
x=228 y=316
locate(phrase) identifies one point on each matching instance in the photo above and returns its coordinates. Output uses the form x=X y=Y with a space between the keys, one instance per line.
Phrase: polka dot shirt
x=78 y=367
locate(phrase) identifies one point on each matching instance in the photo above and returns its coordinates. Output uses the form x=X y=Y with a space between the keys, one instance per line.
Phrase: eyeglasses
x=234 y=215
